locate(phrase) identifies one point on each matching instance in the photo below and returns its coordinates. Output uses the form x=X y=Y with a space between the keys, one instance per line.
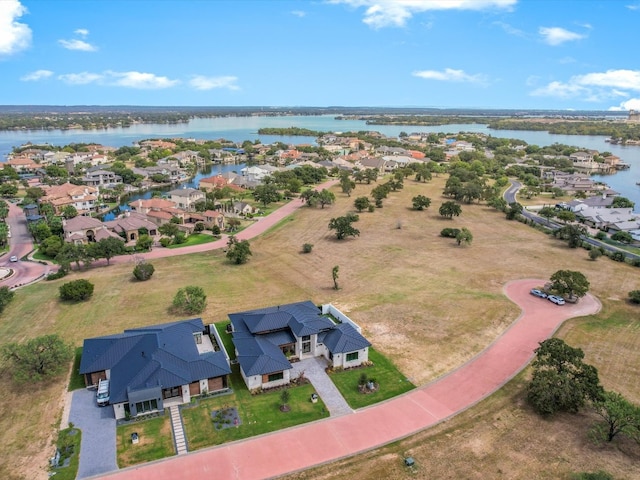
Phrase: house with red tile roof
x=83 y=230
x=82 y=197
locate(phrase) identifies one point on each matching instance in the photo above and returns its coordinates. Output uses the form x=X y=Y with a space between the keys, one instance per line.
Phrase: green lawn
x=69 y=445
x=390 y=379
x=76 y=381
x=258 y=413
x=221 y=327
x=195 y=239
x=155 y=441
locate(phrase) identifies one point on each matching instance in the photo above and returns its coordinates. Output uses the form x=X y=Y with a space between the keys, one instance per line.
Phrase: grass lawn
x=390 y=380
x=76 y=381
x=258 y=413
x=221 y=327
x=69 y=445
x=195 y=239
x=156 y=441
x=38 y=255
x=425 y=303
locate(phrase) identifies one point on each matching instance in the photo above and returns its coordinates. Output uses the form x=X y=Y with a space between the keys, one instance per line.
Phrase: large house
x=82 y=197
x=84 y=230
x=186 y=198
x=267 y=339
x=151 y=368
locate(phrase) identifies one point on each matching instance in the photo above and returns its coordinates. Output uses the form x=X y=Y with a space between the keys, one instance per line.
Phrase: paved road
x=98 y=426
x=21 y=244
x=307 y=445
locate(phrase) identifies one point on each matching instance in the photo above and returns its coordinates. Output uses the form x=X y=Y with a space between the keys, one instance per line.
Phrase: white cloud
x=509 y=29
x=14 y=36
x=451 y=75
x=200 y=82
x=631 y=104
x=298 y=13
x=395 y=13
x=76 y=44
x=37 y=75
x=82 y=78
x=557 y=36
x=594 y=87
x=83 y=32
x=635 y=6
x=140 y=80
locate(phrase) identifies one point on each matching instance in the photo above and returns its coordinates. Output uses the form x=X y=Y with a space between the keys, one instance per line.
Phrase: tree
x=449 y=210
x=143 y=271
x=570 y=283
x=561 y=380
x=622 y=202
x=634 y=296
x=190 y=300
x=69 y=211
x=334 y=275
x=343 y=227
x=513 y=210
x=622 y=237
x=40 y=231
x=572 y=233
x=168 y=229
x=144 y=242
x=238 y=251
x=39 y=358
x=371 y=175
x=307 y=247
x=547 y=212
x=595 y=253
x=361 y=203
x=379 y=193
x=420 y=202
x=284 y=400
x=8 y=190
x=6 y=296
x=70 y=252
x=464 y=236
x=619 y=415
x=566 y=216
x=107 y=248
x=347 y=184
x=326 y=197
x=266 y=194
x=76 y=290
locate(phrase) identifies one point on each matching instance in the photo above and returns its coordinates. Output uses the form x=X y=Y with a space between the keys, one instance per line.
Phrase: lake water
x=238 y=129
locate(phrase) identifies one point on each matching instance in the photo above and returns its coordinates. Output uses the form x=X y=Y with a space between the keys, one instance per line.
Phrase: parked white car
x=556 y=299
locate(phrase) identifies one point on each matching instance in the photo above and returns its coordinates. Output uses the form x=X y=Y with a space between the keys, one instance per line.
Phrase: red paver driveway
x=326 y=440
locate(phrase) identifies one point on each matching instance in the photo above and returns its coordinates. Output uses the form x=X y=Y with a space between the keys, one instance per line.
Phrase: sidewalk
x=327 y=440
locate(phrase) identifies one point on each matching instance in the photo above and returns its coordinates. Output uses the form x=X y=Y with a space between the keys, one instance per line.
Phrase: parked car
x=13 y=258
x=538 y=293
x=556 y=299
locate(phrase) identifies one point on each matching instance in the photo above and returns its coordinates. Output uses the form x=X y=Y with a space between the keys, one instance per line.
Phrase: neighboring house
x=211 y=183
x=83 y=230
x=130 y=225
x=213 y=217
x=151 y=204
x=267 y=339
x=608 y=218
x=22 y=164
x=242 y=208
x=101 y=178
x=186 y=198
x=151 y=368
x=82 y=197
x=372 y=162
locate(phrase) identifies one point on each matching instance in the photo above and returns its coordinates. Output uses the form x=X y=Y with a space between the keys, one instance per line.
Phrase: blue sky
x=546 y=54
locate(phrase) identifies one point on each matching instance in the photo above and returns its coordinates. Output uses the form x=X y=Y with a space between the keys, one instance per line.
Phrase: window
x=146 y=406
x=276 y=376
x=352 y=356
x=306 y=344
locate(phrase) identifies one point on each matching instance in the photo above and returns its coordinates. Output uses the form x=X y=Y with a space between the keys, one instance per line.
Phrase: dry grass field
x=423 y=301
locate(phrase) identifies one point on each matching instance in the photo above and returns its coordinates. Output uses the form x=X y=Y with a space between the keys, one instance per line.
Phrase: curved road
x=326 y=440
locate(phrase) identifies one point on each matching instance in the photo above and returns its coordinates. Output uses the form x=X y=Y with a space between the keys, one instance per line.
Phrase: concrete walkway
x=179 y=439
x=98 y=426
x=327 y=440
x=314 y=370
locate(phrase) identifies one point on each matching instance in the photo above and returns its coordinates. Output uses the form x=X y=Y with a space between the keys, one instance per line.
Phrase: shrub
x=617 y=256
x=6 y=296
x=634 y=296
x=199 y=227
x=190 y=300
x=165 y=241
x=59 y=274
x=601 y=235
x=595 y=253
x=215 y=230
x=143 y=271
x=307 y=247
x=76 y=290
x=449 y=232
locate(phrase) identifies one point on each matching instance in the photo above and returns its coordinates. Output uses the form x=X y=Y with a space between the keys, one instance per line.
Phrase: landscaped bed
x=67 y=454
x=155 y=441
x=256 y=414
x=196 y=239
x=388 y=379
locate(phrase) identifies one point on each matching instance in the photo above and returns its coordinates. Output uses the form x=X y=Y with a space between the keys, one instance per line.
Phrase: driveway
x=301 y=447
x=314 y=371
x=98 y=425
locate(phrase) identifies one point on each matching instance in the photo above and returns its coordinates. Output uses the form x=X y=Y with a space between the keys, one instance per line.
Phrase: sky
x=519 y=54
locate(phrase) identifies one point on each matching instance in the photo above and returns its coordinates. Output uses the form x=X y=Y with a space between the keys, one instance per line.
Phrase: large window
x=306 y=344
x=276 y=376
x=352 y=356
x=146 y=406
